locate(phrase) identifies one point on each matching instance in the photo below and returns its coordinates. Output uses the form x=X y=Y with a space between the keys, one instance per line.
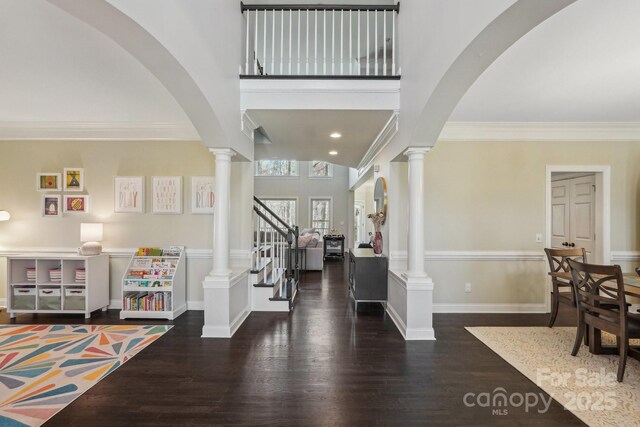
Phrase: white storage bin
x=23 y=298
x=49 y=299
x=74 y=298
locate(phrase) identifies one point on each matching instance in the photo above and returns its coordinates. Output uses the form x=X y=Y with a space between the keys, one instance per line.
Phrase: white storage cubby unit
x=153 y=287
x=57 y=283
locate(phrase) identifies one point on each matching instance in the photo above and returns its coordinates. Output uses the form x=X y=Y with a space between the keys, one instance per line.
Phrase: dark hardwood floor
x=321 y=365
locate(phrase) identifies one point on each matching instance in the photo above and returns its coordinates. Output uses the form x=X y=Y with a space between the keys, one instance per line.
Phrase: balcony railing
x=320 y=41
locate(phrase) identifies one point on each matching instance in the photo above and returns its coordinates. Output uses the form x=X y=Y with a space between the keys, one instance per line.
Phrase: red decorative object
x=377 y=243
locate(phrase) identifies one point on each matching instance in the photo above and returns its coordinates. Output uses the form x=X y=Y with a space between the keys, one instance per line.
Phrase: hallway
x=320 y=365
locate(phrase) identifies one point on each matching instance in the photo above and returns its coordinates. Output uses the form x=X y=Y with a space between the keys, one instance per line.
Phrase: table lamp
x=4 y=216
x=91 y=235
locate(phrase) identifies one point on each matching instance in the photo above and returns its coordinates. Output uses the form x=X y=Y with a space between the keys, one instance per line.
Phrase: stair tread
x=262 y=264
x=268 y=281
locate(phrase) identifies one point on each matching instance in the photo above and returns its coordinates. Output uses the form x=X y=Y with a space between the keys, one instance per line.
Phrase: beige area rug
x=585 y=384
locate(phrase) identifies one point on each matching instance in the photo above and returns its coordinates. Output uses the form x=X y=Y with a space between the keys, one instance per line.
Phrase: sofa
x=311 y=243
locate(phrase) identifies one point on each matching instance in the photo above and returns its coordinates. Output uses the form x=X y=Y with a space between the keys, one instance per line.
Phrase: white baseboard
x=397 y=320
x=115 y=304
x=195 y=305
x=3 y=302
x=490 y=308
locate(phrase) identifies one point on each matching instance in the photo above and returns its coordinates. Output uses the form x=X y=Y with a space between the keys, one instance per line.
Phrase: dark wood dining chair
x=558 y=264
x=602 y=305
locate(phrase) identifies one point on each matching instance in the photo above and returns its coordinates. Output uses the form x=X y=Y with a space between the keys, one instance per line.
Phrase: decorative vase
x=377 y=243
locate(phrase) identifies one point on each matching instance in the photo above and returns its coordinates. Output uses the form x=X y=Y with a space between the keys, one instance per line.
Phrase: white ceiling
x=304 y=134
x=54 y=68
x=581 y=65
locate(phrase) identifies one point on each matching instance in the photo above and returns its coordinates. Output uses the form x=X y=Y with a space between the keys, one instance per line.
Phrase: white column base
x=411 y=305
x=226 y=303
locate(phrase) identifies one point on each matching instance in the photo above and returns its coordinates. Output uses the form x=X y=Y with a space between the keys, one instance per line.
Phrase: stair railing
x=282 y=247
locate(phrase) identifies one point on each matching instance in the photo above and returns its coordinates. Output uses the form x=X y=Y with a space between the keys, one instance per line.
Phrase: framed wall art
x=76 y=204
x=51 y=206
x=48 y=182
x=73 y=179
x=128 y=194
x=167 y=195
x=202 y=197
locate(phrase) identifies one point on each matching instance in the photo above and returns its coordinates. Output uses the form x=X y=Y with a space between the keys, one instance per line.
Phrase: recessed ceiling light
x=333 y=153
x=335 y=135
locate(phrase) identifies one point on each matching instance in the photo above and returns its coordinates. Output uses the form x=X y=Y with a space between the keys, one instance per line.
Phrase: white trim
x=122 y=252
x=625 y=256
x=97 y=131
x=115 y=304
x=604 y=235
x=402 y=327
x=539 y=131
x=195 y=305
x=473 y=256
x=247 y=124
x=3 y=302
x=489 y=308
x=385 y=136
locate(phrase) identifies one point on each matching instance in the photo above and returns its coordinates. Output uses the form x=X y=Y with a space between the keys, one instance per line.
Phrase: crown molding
x=385 y=136
x=540 y=131
x=247 y=124
x=97 y=131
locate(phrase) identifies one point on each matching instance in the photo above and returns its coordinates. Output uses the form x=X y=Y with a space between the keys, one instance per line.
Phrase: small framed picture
x=76 y=204
x=129 y=194
x=73 y=179
x=48 y=182
x=51 y=206
x=167 y=195
x=202 y=197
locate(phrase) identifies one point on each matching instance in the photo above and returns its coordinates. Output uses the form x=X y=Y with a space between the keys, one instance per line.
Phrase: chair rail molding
x=473 y=256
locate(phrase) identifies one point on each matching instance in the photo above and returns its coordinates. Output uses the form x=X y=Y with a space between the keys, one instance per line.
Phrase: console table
x=368 y=276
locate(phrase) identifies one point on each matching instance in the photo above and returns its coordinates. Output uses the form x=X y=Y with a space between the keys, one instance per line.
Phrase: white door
x=573 y=214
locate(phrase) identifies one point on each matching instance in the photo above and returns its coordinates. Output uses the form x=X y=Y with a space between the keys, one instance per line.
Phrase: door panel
x=582 y=213
x=559 y=214
x=573 y=213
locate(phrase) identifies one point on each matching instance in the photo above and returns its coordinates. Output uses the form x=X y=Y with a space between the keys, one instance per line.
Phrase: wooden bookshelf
x=154 y=286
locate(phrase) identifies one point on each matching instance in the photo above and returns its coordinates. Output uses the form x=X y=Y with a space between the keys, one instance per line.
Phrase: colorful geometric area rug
x=584 y=384
x=43 y=368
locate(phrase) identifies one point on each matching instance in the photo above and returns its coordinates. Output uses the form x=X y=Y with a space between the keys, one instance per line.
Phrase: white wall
x=303 y=188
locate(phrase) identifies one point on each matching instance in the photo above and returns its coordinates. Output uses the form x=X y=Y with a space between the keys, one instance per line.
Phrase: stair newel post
x=289 y=259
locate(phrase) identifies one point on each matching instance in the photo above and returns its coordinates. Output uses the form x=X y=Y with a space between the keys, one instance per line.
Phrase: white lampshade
x=91 y=232
x=4 y=216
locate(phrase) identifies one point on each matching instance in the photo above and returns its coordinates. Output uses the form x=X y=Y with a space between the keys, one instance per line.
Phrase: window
x=320 y=169
x=276 y=168
x=321 y=215
x=284 y=208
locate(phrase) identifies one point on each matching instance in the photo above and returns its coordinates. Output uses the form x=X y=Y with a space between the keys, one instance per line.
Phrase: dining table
x=632 y=290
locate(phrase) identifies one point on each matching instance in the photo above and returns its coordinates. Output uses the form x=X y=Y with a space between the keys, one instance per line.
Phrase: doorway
x=578 y=211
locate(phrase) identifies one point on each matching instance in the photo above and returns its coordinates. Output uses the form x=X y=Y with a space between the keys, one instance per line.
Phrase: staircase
x=275 y=269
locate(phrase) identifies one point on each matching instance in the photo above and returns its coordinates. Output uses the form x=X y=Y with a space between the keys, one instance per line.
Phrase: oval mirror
x=380 y=196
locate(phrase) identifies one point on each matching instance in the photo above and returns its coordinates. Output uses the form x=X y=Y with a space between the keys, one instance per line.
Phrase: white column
x=418 y=324
x=222 y=211
x=415 y=258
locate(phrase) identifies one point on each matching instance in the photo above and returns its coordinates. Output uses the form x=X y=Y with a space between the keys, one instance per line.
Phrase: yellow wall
x=484 y=196
x=102 y=161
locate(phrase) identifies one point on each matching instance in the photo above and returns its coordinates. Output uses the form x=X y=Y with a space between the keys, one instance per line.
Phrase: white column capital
x=416 y=152
x=222 y=152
